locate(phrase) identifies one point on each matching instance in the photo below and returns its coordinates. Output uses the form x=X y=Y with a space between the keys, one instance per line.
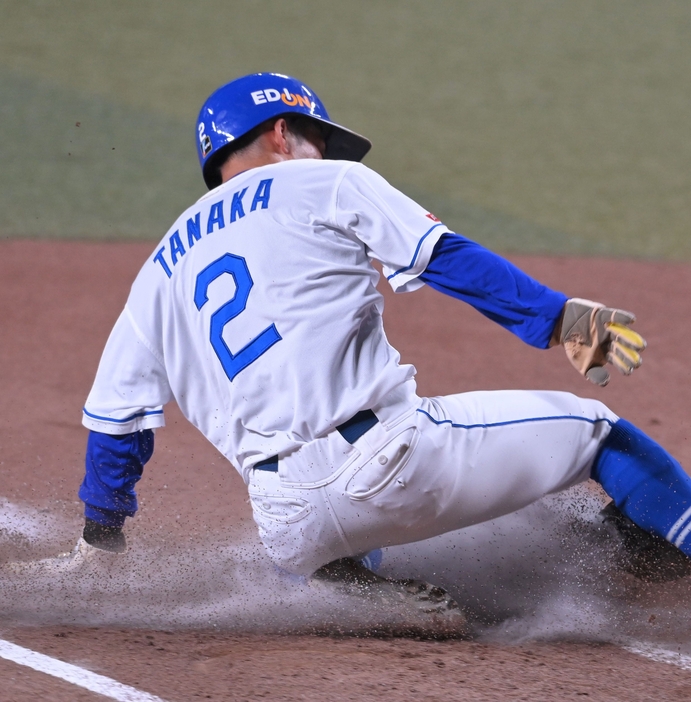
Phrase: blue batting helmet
x=239 y=106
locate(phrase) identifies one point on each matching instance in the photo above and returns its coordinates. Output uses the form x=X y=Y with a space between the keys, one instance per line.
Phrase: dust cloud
x=547 y=572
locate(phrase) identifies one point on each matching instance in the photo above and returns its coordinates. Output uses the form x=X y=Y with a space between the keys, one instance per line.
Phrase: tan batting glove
x=593 y=335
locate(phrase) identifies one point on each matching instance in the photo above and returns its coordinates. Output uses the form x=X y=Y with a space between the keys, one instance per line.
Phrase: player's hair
x=298 y=125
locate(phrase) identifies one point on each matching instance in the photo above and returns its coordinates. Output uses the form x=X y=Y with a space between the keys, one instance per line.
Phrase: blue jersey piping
x=121 y=421
x=417 y=251
x=513 y=421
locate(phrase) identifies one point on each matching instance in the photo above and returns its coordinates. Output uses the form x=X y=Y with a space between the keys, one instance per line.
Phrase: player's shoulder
x=331 y=174
x=312 y=168
x=294 y=173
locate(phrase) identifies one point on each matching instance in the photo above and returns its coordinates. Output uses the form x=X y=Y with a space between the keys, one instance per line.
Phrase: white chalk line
x=94 y=682
x=658 y=654
x=108 y=687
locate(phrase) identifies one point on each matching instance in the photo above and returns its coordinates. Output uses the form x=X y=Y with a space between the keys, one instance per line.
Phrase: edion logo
x=273 y=95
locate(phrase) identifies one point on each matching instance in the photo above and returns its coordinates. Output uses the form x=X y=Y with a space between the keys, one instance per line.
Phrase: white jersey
x=258 y=312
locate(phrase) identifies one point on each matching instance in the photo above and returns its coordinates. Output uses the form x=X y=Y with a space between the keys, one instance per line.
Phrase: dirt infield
x=58 y=301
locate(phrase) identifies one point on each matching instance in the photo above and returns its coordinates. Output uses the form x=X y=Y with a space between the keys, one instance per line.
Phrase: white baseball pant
x=429 y=466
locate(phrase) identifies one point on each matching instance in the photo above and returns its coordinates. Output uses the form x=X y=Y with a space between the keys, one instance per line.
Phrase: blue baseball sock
x=646 y=483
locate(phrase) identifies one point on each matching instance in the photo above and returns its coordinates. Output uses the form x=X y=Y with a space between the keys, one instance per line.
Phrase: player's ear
x=279 y=136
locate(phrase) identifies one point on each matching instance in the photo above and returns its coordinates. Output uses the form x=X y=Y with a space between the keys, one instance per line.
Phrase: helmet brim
x=345 y=145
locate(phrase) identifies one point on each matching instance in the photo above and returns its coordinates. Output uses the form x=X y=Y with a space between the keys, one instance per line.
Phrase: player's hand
x=593 y=335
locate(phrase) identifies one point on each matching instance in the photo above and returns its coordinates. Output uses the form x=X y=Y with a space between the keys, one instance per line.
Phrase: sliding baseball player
x=258 y=313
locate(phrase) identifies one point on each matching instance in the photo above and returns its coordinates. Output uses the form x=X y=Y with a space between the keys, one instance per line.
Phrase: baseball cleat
x=62 y=564
x=647 y=557
x=431 y=611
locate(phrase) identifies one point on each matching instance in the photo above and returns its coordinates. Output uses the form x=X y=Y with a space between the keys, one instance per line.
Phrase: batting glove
x=593 y=335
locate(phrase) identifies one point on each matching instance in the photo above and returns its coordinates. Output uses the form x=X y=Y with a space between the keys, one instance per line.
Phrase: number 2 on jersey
x=235 y=266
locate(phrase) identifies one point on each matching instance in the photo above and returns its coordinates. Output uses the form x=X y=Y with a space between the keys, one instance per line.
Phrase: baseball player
x=258 y=314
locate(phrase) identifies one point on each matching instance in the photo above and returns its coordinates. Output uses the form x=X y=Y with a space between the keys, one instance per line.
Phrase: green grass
x=122 y=172
x=531 y=125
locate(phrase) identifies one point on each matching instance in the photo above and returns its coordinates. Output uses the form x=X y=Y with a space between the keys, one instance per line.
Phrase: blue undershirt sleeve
x=114 y=464
x=495 y=287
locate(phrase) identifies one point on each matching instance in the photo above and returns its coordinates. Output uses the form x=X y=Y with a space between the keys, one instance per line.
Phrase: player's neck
x=238 y=165
x=276 y=145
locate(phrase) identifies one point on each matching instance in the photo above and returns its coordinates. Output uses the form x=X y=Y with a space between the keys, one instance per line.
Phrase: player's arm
x=414 y=248
x=592 y=334
x=124 y=406
x=113 y=466
x=495 y=287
